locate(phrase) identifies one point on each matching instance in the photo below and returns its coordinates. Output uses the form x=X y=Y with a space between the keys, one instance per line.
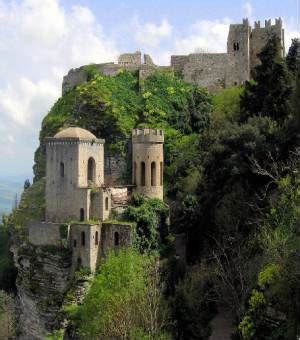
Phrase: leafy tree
x=150 y=216
x=125 y=299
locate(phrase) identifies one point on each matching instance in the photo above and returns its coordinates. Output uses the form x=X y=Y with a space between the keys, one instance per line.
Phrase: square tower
x=74 y=166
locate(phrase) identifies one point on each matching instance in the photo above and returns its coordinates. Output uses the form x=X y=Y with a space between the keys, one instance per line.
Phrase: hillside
x=232 y=186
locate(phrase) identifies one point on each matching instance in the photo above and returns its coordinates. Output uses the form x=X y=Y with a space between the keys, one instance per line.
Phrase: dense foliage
x=125 y=300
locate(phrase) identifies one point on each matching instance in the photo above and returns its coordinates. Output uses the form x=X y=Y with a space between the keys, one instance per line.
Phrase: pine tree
x=270 y=92
x=27 y=184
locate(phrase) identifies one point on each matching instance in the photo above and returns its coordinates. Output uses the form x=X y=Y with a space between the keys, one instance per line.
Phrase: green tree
x=125 y=299
x=270 y=92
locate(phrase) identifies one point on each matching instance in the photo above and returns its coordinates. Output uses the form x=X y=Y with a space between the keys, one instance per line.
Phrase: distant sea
x=10 y=186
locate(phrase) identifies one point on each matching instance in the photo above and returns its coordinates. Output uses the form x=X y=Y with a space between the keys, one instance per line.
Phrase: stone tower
x=238 y=46
x=147 y=162
x=259 y=38
x=74 y=171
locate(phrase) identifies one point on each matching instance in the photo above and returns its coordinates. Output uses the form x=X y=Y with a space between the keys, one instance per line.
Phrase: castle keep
x=215 y=71
x=76 y=192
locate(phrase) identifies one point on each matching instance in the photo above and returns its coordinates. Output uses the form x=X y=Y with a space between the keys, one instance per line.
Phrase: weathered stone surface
x=43 y=279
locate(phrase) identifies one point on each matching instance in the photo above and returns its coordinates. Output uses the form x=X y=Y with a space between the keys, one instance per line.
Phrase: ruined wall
x=114 y=169
x=44 y=233
x=130 y=58
x=127 y=61
x=115 y=236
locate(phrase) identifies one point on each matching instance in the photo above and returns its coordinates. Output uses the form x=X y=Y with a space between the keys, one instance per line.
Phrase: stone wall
x=44 y=233
x=115 y=236
x=114 y=169
x=100 y=204
x=85 y=245
x=66 y=195
x=260 y=36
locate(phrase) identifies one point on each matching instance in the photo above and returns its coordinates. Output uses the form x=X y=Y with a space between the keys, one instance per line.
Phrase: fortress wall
x=207 y=70
x=43 y=233
x=178 y=62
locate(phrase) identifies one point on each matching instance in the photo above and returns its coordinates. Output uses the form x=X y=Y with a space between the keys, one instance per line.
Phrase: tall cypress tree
x=269 y=94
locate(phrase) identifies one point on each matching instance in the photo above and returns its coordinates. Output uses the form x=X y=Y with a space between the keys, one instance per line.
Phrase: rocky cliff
x=42 y=282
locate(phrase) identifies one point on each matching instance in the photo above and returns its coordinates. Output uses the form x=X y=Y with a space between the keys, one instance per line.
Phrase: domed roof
x=75 y=132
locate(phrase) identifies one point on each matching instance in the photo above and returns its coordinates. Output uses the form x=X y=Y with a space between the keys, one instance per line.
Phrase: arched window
x=83 y=238
x=62 y=169
x=153 y=174
x=81 y=214
x=237 y=46
x=143 y=174
x=91 y=169
x=161 y=173
x=134 y=173
x=117 y=239
x=74 y=243
x=96 y=238
x=106 y=203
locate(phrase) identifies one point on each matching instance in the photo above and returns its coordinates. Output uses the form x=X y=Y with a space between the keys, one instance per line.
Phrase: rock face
x=43 y=279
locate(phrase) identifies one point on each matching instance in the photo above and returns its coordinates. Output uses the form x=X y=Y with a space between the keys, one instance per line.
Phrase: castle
x=76 y=193
x=215 y=71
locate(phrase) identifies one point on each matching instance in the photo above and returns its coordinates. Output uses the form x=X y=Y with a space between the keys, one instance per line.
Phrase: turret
x=147 y=162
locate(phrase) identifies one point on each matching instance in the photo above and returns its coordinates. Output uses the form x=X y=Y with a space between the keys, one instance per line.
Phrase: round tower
x=148 y=162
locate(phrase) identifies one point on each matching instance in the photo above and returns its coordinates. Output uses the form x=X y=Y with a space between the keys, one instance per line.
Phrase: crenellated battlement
x=268 y=24
x=147 y=135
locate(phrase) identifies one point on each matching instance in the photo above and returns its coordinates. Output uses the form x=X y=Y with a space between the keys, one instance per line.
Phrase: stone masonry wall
x=112 y=232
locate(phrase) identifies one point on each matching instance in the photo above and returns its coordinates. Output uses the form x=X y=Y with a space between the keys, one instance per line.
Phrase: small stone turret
x=147 y=162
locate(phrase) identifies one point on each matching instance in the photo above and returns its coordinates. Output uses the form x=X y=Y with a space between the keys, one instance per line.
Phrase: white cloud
x=205 y=36
x=39 y=42
x=248 y=9
x=151 y=34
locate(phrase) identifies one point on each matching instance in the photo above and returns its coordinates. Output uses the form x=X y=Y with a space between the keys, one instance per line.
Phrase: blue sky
x=40 y=40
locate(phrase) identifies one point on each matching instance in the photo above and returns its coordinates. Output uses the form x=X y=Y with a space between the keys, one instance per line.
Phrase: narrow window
x=117 y=239
x=106 y=203
x=83 y=238
x=153 y=174
x=96 y=238
x=237 y=46
x=143 y=174
x=91 y=169
x=62 y=169
x=134 y=173
x=74 y=243
x=81 y=217
x=79 y=262
x=161 y=173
